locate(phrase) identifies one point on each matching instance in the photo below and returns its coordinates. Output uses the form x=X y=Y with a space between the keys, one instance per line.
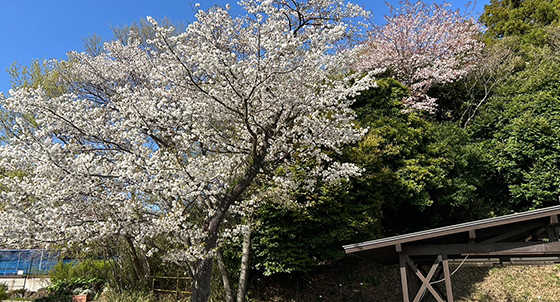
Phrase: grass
x=354 y=280
x=512 y=284
x=357 y=281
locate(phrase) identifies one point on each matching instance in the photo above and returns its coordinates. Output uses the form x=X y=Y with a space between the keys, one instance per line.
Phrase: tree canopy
x=525 y=18
x=421 y=45
x=167 y=139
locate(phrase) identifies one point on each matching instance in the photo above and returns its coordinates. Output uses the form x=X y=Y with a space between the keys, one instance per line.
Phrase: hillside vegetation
x=359 y=281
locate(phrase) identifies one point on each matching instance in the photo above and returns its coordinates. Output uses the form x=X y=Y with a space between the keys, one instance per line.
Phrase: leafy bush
x=62 y=290
x=78 y=277
x=85 y=269
x=3 y=290
x=70 y=286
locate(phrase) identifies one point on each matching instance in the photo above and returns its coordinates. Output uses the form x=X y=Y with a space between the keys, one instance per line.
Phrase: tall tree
x=519 y=128
x=163 y=140
x=526 y=18
x=421 y=45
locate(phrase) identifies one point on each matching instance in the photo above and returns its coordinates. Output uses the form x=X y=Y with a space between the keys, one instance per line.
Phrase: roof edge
x=452 y=229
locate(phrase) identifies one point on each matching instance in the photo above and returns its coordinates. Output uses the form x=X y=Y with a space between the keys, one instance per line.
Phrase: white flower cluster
x=161 y=142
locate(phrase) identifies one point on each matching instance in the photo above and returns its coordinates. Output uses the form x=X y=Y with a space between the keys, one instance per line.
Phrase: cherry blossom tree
x=421 y=45
x=164 y=140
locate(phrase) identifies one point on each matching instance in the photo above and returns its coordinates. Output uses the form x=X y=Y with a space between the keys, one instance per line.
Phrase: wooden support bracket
x=427 y=285
x=553 y=220
x=552 y=229
x=472 y=236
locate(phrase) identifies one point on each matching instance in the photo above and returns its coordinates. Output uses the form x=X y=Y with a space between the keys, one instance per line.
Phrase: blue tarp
x=14 y=262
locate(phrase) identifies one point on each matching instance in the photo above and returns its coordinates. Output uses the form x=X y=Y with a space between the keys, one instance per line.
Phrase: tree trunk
x=225 y=275
x=245 y=265
x=203 y=273
x=136 y=264
x=202 y=279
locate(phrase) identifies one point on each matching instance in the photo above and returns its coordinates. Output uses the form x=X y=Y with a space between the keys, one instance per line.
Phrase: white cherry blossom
x=164 y=141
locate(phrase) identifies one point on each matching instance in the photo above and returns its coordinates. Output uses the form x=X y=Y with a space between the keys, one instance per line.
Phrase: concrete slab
x=32 y=284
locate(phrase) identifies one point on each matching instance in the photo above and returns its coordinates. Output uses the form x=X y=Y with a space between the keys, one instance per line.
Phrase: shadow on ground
x=357 y=280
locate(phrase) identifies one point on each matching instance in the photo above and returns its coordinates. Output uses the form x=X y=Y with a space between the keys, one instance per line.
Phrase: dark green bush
x=62 y=290
x=3 y=290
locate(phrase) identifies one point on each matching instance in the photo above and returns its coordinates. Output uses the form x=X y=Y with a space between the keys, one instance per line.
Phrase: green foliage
x=416 y=170
x=429 y=173
x=294 y=239
x=520 y=128
x=297 y=237
x=3 y=291
x=85 y=277
x=45 y=74
x=384 y=100
x=425 y=173
x=85 y=269
x=526 y=18
x=65 y=287
x=62 y=290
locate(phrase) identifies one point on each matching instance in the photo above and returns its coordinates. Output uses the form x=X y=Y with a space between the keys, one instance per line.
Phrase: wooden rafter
x=512 y=233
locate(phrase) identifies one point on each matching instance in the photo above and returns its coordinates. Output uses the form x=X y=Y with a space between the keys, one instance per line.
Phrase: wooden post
x=413 y=281
x=447 y=276
x=178 y=287
x=404 y=272
x=402 y=260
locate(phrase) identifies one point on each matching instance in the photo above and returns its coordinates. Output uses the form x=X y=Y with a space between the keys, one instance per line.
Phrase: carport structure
x=524 y=238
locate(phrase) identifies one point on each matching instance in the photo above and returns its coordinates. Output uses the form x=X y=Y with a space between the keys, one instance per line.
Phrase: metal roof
x=384 y=250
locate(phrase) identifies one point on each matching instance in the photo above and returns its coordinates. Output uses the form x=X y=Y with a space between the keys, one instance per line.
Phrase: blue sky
x=44 y=29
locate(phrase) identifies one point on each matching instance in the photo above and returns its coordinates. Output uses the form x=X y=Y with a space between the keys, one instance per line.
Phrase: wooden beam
x=514 y=232
x=413 y=282
x=551 y=232
x=511 y=219
x=544 y=249
x=490 y=249
x=551 y=229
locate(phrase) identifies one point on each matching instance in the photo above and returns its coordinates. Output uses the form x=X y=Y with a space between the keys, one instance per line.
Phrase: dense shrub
x=3 y=290
x=85 y=269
